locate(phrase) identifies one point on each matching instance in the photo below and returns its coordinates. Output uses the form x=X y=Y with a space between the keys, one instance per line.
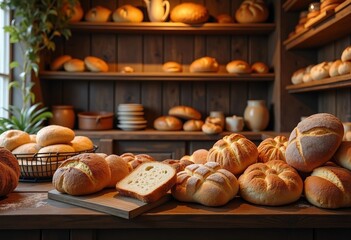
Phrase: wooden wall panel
x=101 y=96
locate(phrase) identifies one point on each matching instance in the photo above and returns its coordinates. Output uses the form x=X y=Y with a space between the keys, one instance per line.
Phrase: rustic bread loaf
x=149 y=182
x=13 y=138
x=10 y=172
x=320 y=71
x=329 y=187
x=134 y=160
x=344 y=68
x=118 y=167
x=128 y=13
x=168 y=123
x=314 y=141
x=272 y=149
x=238 y=66
x=212 y=125
x=82 y=143
x=82 y=174
x=193 y=125
x=57 y=63
x=252 y=11
x=233 y=152
x=178 y=165
x=184 y=112
x=54 y=134
x=95 y=64
x=272 y=183
x=190 y=13
x=207 y=184
x=98 y=14
x=204 y=64
x=342 y=156
x=172 y=66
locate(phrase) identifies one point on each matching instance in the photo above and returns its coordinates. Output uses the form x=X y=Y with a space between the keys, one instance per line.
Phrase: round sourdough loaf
x=118 y=167
x=329 y=187
x=10 y=172
x=168 y=123
x=314 y=141
x=272 y=183
x=13 y=138
x=252 y=11
x=184 y=112
x=272 y=149
x=98 y=14
x=82 y=174
x=233 y=152
x=54 y=134
x=190 y=13
x=128 y=13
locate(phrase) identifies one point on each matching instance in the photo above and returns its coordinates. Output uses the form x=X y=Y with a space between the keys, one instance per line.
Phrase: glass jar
x=256 y=115
x=63 y=115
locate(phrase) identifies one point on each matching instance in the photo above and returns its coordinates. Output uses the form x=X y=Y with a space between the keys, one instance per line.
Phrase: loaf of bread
x=172 y=66
x=82 y=174
x=118 y=167
x=193 y=125
x=342 y=156
x=204 y=64
x=134 y=160
x=233 y=152
x=95 y=64
x=10 y=172
x=190 y=13
x=252 y=11
x=149 y=182
x=314 y=141
x=54 y=134
x=178 y=165
x=333 y=70
x=74 y=65
x=199 y=156
x=320 y=71
x=82 y=143
x=74 y=13
x=346 y=54
x=238 y=66
x=344 y=68
x=55 y=152
x=212 y=125
x=272 y=183
x=329 y=187
x=98 y=14
x=259 y=67
x=184 y=112
x=11 y=139
x=168 y=123
x=297 y=76
x=272 y=149
x=128 y=13
x=57 y=63
x=207 y=184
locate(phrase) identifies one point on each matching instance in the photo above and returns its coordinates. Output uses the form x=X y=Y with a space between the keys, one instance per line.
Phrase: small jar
x=63 y=115
x=256 y=115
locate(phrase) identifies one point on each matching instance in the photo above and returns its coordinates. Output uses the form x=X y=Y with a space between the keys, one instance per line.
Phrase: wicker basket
x=42 y=166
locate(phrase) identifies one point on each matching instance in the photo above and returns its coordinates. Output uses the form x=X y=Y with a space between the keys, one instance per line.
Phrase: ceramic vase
x=256 y=115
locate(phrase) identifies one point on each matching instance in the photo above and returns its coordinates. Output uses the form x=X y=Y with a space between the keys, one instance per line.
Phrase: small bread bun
x=27 y=149
x=211 y=128
x=344 y=68
x=224 y=18
x=95 y=64
x=193 y=125
x=320 y=71
x=82 y=143
x=48 y=151
x=199 y=156
x=13 y=138
x=259 y=67
x=168 y=123
x=128 y=13
x=204 y=64
x=127 y=69
x=346 y=54
x=172 y=67
x=98 y=14
x=252 y=11
x=307 y=77
x=58 y=62
x=342 y=157
x=297 y=76
x=333 y=70
x=184 y=112
x=74 y=65
x=238 y=66
x=54 y=134
x=74 y=13
x=190 y=13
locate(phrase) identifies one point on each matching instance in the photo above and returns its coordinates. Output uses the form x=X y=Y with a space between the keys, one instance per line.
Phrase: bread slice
x=148 y=182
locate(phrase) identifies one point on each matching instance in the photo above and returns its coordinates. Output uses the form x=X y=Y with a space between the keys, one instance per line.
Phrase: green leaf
x=14 y=64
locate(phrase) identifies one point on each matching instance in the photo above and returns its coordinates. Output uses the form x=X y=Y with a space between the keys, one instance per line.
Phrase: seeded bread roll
x=190 y=13
x=54 y=134
x=168 y=123
x=272 y=149
x=12 y=139
x=128 y=13
x=98 y=14
x=184 y=112
x=204 y=64
x=10 y=172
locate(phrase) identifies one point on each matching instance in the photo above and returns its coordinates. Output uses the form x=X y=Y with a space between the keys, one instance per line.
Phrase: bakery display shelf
x=332 y=27
x=319 y=85
x=175 y=28
x=296 y=5
x=154 y=76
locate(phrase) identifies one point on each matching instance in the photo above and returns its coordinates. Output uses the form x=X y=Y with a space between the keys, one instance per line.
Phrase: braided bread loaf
x=207 y=184
x=9 y=172
x=272 y=149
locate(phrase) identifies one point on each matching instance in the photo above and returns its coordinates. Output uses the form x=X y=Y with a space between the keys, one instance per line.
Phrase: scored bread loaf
x=204 y=64
x=168 y=123
x=149 y=182
x=82 y=174
x=252 y=11
x=11 y=139
x=184 y=112
x=207 y=184
x=127 y=13
x=9 y=172
x=314 y=141
x=190 y=13
x=272 y=183
x=193 y=125
x=272 y=149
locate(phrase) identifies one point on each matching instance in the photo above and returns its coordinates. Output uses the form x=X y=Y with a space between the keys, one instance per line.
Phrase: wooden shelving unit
x=295 y=5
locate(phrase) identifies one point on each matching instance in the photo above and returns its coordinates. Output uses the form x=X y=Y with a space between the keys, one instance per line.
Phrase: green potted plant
x=34 y=26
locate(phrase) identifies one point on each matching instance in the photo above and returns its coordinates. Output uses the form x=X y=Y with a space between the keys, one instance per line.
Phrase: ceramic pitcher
x=256 y=115
x=157 y=10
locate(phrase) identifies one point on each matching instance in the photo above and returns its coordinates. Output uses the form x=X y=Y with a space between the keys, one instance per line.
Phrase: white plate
x=130 y=105
x=130 y=109
x=130 y=113
x=128 y=127
x=131 y=118
x=132 y=122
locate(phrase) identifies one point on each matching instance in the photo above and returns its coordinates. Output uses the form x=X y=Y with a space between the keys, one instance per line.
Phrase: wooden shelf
x=175 y=28
x=324 y=84
x=335 y=26
x=296 y=5
x=154 y=76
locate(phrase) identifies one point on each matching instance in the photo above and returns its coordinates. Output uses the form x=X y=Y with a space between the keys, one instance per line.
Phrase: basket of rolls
x=39 y=155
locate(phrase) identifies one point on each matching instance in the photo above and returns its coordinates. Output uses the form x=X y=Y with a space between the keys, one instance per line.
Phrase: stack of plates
x=131 y=117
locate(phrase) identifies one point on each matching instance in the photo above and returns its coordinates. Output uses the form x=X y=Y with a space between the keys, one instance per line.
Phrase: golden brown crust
x=238 y=66
x=184 y=112
x=252 y=11
x=95 y=64
x=54 y=134
x=272 y=149
x=118 y=167
x=57 y=63
x=193 y=125
x=10 y=172
x=98 y=14
x=333 y=70
x=178 y=165
x=134 y=160
x=297 y=76
x=346 y=54
x=190 y=13
x=82 y=143
x=343 y=155
x=172 y=66
x=52 y=152
x=127 y=13
x=259 y=67
x=74 y=65
x=13 y=138
x=204 y=64
x=27 y=149
x=224 y=18
x=168 y=123
x=74 y=13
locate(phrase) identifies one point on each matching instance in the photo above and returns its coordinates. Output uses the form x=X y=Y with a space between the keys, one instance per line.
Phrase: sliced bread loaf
x=148 y=182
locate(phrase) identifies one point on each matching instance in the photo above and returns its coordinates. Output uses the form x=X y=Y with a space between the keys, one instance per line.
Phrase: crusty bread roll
x=54 y=134
x=98 y=14
x=211 y=128
x=74 y=13
x=272 y=183
x=344 y=68
x=238 y=66
x=82 y=174
x=307 y=77
x=74 y=65
x=314 y=141
x=172 y=67
x=95 y=64
x=233 y=152
x=333 y=70
x=118 y=167
x=199 y=156
x=178 y=165
x=149 y=182
x=33 y=138
x=184 y=112
x=329 y=187
x=82 y=143
x=204 y=64
x=190 y=13
x=259 y=67
x=168 y=123
x=207 y=184
x=11 y=139
x=193 y=125
x=27 y=149
x=252 y=11
x=10 y=172
x=128 y=13
x=272 y=149
x=55 y=152
x=134 y=160
x=297 y=76
x=224 y=18
x=320 y=71
x=57 y=63
x=346 y=54
x=343 y=155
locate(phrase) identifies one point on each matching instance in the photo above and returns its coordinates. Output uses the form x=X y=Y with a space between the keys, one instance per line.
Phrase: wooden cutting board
x=108 y=201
